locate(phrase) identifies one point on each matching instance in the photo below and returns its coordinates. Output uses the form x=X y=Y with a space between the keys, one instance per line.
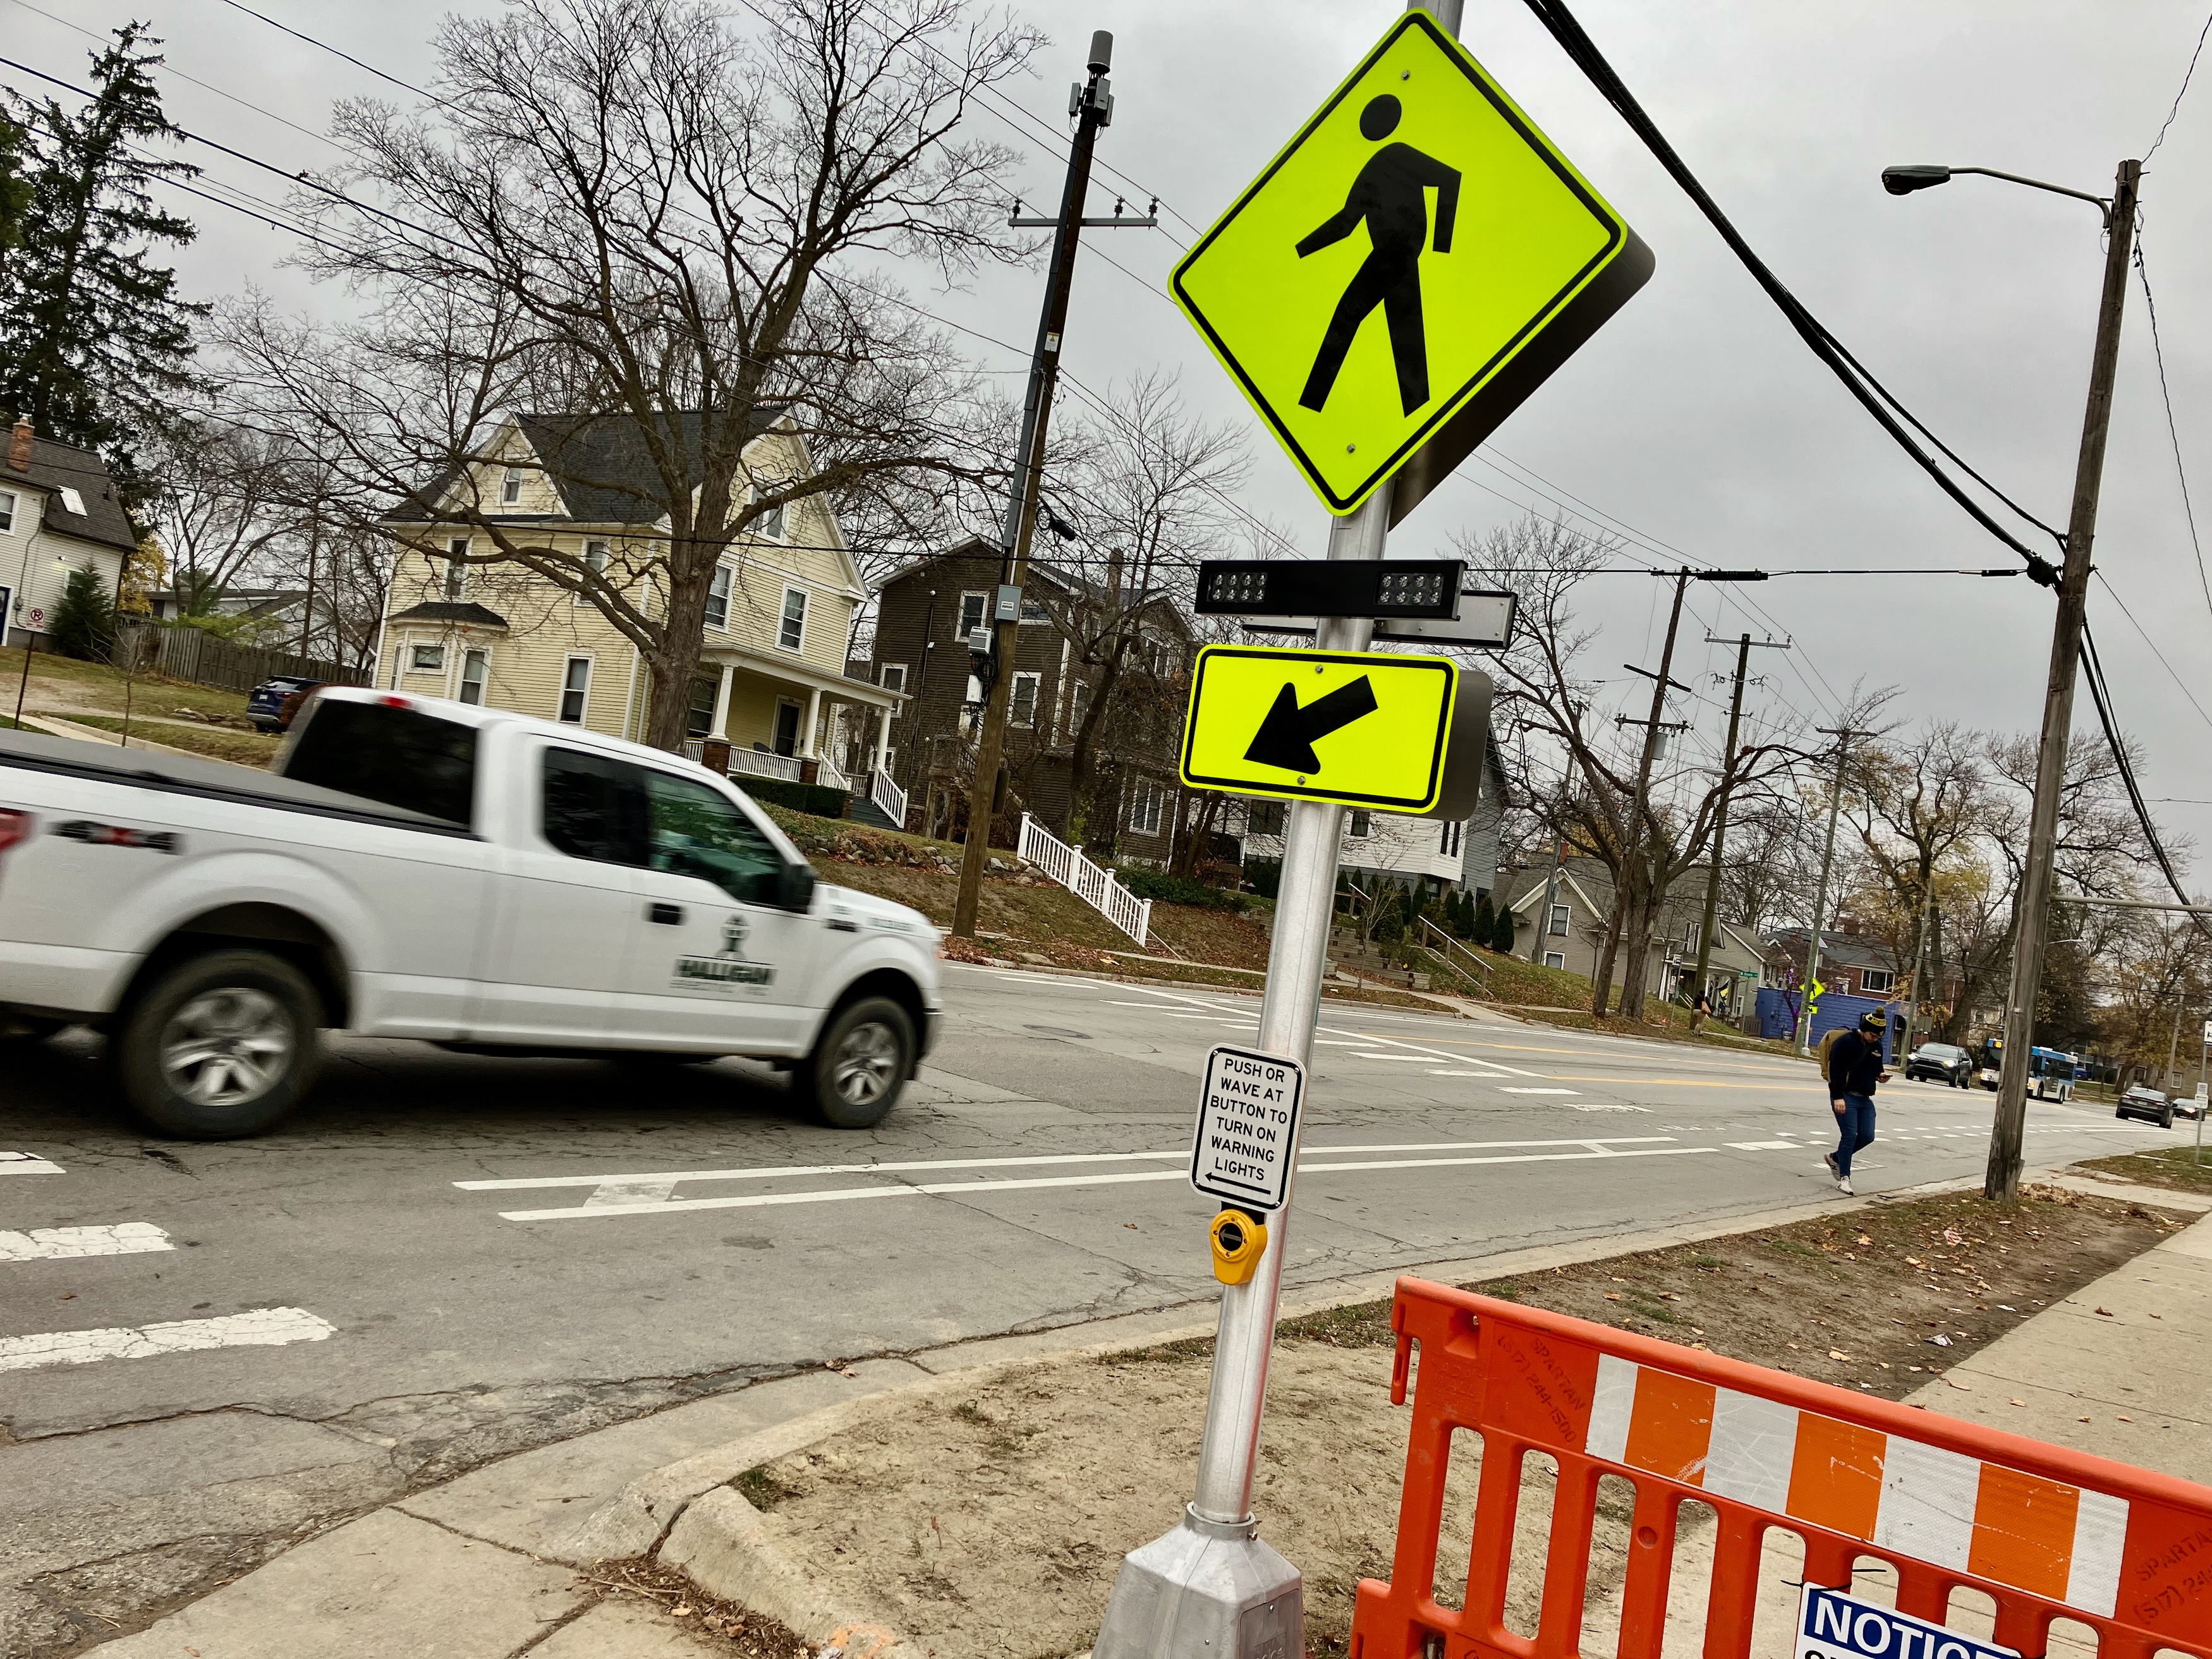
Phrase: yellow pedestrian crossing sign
x=1369 y=328
x=1363 y=730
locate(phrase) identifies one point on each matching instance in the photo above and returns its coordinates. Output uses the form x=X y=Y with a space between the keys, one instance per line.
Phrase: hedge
x=819 y=798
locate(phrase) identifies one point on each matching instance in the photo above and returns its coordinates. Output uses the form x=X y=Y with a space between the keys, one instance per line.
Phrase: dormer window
x=510 y=487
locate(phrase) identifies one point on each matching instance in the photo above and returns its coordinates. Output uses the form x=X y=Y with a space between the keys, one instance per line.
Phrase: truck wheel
x=855 y=1075
x=2166 y=1118
x=219 y=1046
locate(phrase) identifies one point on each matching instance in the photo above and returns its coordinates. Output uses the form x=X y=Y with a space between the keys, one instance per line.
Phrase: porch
x=786 y=720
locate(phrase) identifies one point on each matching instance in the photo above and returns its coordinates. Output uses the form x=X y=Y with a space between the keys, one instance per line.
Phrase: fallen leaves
x=1838 y=1353
x=2106 y=1313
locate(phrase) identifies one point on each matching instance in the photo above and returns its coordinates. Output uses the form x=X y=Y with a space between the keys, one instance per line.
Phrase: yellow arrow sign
x=1363 y=730
x=1361 y=322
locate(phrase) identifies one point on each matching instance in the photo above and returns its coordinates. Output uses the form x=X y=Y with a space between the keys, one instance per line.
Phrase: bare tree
x=1579 y=780
x=659 y=212
x=220 y=501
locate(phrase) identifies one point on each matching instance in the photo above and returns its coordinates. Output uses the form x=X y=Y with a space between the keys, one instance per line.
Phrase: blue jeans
x=1856 y=1122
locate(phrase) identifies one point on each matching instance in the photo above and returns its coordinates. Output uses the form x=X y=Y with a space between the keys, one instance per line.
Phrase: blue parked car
x=271 y=704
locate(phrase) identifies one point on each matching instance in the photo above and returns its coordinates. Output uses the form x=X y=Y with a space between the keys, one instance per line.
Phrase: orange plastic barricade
x=2047 y=1534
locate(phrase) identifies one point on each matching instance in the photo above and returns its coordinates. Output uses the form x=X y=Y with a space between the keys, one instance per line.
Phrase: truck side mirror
x=794 y=887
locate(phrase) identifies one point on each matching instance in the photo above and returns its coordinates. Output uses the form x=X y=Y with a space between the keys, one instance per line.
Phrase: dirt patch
x=721 y=1624
x=992 y=1521
x=2169 y=1166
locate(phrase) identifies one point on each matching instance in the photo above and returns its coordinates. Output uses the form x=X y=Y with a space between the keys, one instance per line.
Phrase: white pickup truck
x=419 y=868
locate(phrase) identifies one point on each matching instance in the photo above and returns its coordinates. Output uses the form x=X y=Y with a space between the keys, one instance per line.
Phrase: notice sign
x=1247 y=1127
x=1831 y=1625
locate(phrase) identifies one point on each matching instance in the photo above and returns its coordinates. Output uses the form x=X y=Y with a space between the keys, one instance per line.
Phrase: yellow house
x=772 y=680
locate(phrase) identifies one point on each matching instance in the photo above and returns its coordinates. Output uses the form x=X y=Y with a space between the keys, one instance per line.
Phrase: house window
x=1265 y=817
x=892 y=677
x=1022 y=710
x=1450 y=844
x=973 y=608
x=790 y=630
x=1363 y=825
x=699 y=720
x=595 y=557
x=575 y=689
x=771 y=524
x=787 y=727
x=1554 y=959
x=1079 y=699
x=1690 y=933
x=1876 y=981
x=718 y=599
x=7 y=509
x=427 y=660
x=510 y=487
x=474 y=666
x=1559 y=927
x=71 y=501
x=457 y=572
x=1144 y=807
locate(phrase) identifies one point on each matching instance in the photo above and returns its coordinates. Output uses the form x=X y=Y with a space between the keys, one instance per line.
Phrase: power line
x=1862 y=385
x=2172 y=430
x=2182 y=92
x=2145 y=634
x=2100 y=694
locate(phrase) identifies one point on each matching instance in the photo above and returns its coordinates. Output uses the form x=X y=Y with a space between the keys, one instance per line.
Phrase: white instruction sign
x=1834 y=1624
x=1247 y=1127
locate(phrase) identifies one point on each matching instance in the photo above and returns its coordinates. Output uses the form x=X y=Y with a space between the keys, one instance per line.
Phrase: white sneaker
x=1843 y=1186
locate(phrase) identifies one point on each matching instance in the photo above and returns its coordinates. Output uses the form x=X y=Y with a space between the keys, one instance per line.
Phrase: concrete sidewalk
x=484 y=1567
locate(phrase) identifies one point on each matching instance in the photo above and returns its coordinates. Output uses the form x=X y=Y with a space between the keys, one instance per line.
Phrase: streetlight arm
x=2103 y=202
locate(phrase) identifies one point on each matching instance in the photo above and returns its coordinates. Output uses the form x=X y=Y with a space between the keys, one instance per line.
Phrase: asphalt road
x=444 y=1258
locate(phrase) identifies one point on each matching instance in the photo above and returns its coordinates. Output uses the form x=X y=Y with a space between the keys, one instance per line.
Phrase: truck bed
x=181 y=775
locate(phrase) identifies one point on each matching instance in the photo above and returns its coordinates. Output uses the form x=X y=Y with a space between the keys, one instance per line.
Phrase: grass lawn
x=2168 y=1166
x=216 y=742
x=63 y=685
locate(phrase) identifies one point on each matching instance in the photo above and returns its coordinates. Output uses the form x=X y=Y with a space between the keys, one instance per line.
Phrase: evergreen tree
x=84 y=621
x=14 y=188
x=1482 y=927
x=94 y=338
x=1502 y=943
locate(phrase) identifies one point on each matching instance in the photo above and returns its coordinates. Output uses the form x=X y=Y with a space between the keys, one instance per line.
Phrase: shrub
x=817 y=799
x=1264 y=876
x=84 y=620
x=1483 y=928
x=1149 y=883
x=1502 y=938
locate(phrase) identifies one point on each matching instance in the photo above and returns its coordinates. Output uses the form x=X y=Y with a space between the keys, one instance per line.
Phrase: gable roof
x=1850 y=950
x=600 y=465
x=451 y=610
x=1073 y=583
x=56 y=467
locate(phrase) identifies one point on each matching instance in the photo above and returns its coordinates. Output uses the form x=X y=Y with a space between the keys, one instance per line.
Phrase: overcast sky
x=1695 y=418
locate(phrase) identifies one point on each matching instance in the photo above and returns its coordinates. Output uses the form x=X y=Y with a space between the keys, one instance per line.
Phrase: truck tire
x=2166 y=1118
x=219 y=1046
x=858 y=1069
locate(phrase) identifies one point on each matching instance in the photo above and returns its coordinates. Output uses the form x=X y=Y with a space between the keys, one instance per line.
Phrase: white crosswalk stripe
x=26 y=1163
x=58 y=1243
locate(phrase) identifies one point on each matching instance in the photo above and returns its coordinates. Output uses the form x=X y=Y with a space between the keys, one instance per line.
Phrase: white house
x=59 y=512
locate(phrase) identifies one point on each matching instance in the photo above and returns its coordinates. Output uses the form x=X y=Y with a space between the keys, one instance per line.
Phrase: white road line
x=1590 y=1150
x=26 y=1163
x=263 y=1328
x=1458 y=1074
x=1764 y=1145
x=1503 y=1091
x=58 y=1243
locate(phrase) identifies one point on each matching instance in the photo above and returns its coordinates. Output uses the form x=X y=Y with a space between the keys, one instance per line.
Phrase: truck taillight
x=14 y=826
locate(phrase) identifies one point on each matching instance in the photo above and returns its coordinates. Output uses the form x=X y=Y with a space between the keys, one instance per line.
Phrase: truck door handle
x=669 y=915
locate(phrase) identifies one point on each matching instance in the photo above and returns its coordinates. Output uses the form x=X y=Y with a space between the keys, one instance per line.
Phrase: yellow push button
x=1239 y=1242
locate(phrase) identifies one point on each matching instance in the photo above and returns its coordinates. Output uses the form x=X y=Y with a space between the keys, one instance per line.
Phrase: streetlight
x=2033 y=906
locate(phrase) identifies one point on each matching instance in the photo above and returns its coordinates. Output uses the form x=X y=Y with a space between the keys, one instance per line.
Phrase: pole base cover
x=1207 y=1587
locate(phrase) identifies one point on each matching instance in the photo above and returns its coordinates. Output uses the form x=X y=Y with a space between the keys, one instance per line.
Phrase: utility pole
x=1720 y=812
x=1842 y=735
x=2173 y=1047
x=2008 y=1134
x=1091 y=102
x=1638 y=803
x=1550 y=898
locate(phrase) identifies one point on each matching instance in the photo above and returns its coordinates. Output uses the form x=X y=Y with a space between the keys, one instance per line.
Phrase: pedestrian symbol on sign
x=1391 y=196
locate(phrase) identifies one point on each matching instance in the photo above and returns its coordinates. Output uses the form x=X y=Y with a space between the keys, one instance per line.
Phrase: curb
x=706 y=1529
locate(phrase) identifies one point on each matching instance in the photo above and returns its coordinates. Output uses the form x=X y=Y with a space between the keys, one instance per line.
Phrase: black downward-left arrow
x=1286 y=736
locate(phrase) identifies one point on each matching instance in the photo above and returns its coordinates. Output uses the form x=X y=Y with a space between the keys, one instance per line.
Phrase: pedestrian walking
x=1700 y=1011
x=1855 y=1071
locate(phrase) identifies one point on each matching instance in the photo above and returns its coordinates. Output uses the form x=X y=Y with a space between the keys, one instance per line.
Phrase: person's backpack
x=1828 y=1042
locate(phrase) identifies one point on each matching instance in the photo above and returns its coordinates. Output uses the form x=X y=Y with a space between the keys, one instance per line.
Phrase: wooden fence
x=187 y=653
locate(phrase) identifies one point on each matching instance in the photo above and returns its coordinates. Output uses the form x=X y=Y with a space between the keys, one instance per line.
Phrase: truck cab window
x=399 y=757
x=697 y=831
x=594 y=808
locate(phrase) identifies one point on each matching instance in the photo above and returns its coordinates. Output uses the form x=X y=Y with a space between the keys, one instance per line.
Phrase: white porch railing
x=1094 y=886
x=753 y=763
x=889 y=798
x=827 y=771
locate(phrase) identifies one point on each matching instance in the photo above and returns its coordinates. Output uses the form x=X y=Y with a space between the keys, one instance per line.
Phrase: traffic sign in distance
x=1362 y=730
x=1247 y=1127
x=1415 y=262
